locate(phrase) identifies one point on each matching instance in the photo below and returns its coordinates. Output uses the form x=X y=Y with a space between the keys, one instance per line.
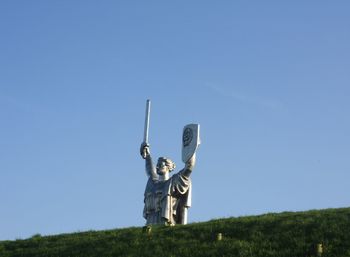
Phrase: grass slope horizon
x=272 y=234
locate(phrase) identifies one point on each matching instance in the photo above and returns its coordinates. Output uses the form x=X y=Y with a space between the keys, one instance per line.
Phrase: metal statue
x=167 y=199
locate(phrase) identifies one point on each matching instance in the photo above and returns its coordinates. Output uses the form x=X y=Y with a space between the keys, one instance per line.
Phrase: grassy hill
x=276 y=235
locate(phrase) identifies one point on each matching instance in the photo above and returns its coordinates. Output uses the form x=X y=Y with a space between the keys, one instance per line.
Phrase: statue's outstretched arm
x=189 y=165
x=150 y=169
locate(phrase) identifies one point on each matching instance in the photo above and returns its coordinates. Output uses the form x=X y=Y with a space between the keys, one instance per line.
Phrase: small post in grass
x=147 y=230
x=319 y=249
x=219 y=237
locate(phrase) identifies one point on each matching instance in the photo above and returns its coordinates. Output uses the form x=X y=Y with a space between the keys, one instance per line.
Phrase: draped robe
x=166 y=202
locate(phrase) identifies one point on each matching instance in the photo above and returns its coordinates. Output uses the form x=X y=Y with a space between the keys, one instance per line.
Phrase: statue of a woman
x=166 y=198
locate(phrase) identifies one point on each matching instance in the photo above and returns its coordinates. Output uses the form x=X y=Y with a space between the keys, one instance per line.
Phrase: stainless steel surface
x=147 y=117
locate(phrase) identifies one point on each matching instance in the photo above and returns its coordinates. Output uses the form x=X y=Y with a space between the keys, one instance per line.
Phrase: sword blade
x=146 y=129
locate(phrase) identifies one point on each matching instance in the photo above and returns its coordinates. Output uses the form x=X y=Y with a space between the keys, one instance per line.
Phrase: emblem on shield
x=187 y=136
x=190 y=141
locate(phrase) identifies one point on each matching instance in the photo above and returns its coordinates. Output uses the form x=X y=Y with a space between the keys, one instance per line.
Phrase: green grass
x=289 y=234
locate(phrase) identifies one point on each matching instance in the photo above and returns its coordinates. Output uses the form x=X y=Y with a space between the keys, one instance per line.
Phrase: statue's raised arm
x=146 y=154
x=189 y=166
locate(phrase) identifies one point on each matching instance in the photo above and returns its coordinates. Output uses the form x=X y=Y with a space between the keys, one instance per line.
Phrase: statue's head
x=164 y=166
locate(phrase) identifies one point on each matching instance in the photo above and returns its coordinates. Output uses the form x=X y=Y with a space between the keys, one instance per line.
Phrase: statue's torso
x=162 y=199
x=154 y=197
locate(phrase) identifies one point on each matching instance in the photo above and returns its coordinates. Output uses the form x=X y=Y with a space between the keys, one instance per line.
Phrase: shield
x=190 y=141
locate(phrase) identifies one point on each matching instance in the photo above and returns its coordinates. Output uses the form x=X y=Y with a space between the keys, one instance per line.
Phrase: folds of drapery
x=171 y=198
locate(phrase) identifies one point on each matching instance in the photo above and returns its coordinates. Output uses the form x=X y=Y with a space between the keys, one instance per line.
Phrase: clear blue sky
x=269 y=82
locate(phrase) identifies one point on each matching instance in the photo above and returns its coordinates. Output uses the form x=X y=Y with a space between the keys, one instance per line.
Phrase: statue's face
x=162 y=168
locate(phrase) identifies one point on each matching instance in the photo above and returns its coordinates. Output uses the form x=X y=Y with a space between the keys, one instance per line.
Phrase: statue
x=166 y=198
